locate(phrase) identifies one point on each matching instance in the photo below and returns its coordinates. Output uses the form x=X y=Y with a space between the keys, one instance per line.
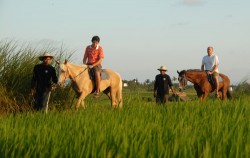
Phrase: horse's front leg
x=204 y=97
x=81 y=100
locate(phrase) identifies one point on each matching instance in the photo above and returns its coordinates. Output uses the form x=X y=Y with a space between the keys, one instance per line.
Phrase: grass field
x=140 y=129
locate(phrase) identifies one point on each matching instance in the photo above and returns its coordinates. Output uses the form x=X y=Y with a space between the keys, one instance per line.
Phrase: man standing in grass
x=41 y=81
x=162 y=85
x=93 y=58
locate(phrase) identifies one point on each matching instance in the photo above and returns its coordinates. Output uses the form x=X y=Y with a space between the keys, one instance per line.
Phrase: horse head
x=63 y=73
x=182 y=79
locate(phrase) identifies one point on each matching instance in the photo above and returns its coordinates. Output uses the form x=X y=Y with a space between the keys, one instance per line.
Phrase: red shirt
x=93 y=54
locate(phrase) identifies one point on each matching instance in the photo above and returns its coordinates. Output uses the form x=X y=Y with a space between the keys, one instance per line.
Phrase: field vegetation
x=140 y=129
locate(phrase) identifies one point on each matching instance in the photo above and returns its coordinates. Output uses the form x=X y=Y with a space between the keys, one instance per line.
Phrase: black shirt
x=42 y=76
x=162 y=84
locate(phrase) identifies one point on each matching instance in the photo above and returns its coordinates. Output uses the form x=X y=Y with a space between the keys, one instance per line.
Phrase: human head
x=95 y=41
x=210 y=50
x=46 y=58
x=162 y=69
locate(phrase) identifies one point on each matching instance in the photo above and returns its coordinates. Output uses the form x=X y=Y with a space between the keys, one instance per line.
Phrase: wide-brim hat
x=162 y=68
x=45 y=55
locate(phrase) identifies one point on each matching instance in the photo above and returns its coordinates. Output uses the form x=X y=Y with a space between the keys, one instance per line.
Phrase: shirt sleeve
x=156 y=84
x=54 y=77
x=86 y=54
x=170 y=84
x=216 y=60
x=101 y=54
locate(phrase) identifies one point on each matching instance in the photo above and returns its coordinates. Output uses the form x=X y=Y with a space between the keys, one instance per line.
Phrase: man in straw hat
x=41 y=85
x=162 y=85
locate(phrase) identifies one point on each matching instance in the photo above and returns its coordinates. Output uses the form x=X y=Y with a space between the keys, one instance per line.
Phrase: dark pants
x=41 y=99
x=162 y=99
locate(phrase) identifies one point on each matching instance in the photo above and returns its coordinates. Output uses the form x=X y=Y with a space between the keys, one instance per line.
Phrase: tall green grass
x=140 y=129
x=16 y=67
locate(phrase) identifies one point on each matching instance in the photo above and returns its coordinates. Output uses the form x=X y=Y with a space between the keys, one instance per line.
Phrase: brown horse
x=83 y=85
x=202 y=85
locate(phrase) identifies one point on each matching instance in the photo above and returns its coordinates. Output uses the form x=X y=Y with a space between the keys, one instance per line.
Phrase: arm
x=33 y=82
x=171 y=85
x=155 y=87
x=54 y=77
x=202 y=67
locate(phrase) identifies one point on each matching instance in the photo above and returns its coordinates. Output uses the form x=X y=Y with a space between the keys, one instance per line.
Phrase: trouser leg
x=41 y=100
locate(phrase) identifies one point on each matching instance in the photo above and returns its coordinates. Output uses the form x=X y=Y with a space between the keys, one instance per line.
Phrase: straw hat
x=162 y=68
x=45 y=55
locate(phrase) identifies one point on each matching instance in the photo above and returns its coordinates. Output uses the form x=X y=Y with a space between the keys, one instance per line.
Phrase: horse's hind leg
x=114 y=102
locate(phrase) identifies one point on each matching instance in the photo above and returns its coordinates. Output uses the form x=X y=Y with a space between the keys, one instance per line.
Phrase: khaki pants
x=162 y=99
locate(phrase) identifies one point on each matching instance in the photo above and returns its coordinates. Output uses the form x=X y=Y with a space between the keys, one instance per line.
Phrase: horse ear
x=178 y=72
x=65 y=62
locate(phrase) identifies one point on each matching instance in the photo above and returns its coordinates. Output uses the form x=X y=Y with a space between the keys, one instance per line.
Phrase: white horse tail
x=119 y=93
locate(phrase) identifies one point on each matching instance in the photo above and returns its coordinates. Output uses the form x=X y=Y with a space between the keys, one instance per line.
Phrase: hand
x=32 y=92
x=53 y=88
x=209 y=72
x=155 y=94
x=90 y=66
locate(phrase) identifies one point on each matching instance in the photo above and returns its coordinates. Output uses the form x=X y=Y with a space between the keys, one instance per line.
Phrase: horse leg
x=204 y=96
x=113 y=99
x=119 y=98
x=81 y=100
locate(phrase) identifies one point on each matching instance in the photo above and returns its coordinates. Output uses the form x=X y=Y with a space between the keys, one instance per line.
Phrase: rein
x=80 y=72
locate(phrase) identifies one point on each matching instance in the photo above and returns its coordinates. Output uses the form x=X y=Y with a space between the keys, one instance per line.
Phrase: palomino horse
x=202 y=85
x=83 y=85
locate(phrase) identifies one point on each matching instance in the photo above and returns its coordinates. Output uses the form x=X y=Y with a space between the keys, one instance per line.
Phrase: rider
x=93 y=58
x=210 y=63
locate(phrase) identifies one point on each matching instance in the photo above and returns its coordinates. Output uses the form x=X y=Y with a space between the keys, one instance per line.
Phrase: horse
x=83 y=85
x=202 y=85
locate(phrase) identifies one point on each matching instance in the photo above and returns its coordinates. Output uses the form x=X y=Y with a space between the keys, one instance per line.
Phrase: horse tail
x=229 y=94
x=119 y=94
x=227 y=82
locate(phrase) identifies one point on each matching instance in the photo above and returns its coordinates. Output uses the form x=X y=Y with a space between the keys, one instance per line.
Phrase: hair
x=210 y=47
x=95 y=38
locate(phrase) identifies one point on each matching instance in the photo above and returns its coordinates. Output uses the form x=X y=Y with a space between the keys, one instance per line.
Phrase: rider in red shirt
x=93 y=58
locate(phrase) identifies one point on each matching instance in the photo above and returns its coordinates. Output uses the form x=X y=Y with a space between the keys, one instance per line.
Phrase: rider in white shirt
x=210 y=63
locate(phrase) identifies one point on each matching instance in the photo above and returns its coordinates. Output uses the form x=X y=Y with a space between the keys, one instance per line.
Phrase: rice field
x=140 y=129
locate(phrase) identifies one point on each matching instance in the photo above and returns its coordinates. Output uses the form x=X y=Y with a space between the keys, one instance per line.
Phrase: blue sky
x=138 y=36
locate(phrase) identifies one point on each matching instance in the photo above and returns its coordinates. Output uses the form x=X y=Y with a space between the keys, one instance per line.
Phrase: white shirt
x=210 y=61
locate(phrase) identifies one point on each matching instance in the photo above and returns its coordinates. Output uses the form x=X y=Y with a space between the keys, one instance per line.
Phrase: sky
x=138 y=36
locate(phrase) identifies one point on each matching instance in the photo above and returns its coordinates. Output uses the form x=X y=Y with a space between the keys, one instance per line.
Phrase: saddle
x=211 y=80
x=104 y=74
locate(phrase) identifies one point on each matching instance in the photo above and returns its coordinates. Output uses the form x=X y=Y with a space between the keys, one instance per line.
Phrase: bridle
x=66 y=74
x=183 y=80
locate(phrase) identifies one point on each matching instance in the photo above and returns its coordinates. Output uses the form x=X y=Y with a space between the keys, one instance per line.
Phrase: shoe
x=97 y=95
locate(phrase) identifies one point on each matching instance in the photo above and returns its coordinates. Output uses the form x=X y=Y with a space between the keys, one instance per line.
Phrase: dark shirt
x=162 y=84
x=42 y=75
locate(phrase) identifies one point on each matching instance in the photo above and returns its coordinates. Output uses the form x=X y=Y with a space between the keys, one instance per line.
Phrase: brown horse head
x=182 y=79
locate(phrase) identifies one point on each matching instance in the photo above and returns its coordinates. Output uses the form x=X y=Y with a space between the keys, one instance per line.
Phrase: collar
x=97 y=47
